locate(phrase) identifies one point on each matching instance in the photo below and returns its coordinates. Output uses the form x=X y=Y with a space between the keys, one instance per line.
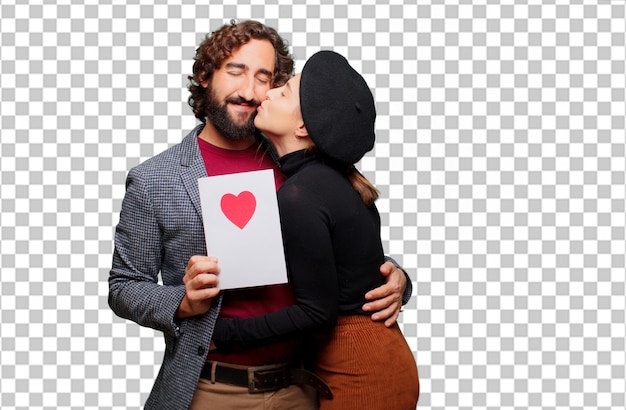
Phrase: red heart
x=239 y=209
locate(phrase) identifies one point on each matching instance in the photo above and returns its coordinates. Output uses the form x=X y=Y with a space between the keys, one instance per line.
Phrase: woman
x=322 y=122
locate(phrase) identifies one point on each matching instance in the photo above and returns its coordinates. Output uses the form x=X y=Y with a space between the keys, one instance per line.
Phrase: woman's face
x=279 y=115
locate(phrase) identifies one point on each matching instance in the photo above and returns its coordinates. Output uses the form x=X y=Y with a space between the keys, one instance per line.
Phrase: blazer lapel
x=192 y=167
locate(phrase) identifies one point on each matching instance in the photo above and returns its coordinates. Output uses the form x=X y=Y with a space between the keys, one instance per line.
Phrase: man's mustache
x=243 y=101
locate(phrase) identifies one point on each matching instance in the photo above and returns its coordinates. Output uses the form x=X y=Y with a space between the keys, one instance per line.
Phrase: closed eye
x=263 y=79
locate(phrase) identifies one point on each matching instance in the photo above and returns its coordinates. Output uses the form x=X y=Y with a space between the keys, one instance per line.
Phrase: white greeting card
x=242 y=228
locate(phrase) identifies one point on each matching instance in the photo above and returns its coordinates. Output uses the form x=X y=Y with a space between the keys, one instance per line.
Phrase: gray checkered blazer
x=160 y=228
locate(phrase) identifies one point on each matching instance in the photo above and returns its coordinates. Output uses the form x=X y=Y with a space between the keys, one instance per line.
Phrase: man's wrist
x=184 y=309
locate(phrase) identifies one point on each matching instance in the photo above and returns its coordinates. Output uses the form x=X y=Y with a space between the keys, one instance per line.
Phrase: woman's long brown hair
x=367 y=191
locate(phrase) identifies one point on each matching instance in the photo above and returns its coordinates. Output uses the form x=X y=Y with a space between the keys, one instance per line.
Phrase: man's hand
x=200 y=286
x=387 y=299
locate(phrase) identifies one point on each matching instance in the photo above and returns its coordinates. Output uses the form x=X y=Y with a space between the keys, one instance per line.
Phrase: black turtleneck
x=333 y=250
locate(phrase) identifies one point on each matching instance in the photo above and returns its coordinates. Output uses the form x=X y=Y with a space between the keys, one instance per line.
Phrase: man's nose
x=246 y=90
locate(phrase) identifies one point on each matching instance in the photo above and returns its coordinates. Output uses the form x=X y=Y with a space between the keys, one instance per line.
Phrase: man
x=161 y=231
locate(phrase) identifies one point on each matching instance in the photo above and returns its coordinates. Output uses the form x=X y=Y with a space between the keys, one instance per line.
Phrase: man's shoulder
x=179 y=153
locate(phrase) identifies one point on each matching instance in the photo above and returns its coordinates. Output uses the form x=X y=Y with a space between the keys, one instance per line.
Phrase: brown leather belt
x=259 y=379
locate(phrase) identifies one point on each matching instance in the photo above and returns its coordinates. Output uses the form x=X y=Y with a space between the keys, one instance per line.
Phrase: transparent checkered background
x=500 y=157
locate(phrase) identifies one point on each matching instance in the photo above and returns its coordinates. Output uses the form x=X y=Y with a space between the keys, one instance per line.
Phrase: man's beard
x=219 y=116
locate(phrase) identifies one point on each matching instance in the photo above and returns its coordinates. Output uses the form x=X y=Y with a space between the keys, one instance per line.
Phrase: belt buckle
x=274 y=377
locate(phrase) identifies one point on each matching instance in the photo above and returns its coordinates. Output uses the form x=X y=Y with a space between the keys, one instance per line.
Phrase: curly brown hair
x=221 y=44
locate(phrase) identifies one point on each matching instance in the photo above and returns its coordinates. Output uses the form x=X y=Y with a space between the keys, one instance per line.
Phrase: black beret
x=337 y=107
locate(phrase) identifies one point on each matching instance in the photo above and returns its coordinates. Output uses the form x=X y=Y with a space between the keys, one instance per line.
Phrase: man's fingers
x=206 y=293
x=393 y=319
x=386 y=268
x=380 y=303
x=386 y=300
x=380 y=292
x=383 y=314
x=200 y=264
x=202 y=281
x=202 y=287
x=389 y=315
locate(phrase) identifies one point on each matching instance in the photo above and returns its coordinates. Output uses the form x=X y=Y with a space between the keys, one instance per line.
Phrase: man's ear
x=204 y=83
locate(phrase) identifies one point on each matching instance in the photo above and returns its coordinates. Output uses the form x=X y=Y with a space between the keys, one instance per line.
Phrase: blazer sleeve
x=134 y=291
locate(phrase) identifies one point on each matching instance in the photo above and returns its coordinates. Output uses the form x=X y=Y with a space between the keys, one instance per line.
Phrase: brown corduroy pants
x=368 y=366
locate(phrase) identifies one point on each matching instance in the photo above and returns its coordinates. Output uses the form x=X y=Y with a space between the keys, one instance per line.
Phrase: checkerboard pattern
x=500 y=157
